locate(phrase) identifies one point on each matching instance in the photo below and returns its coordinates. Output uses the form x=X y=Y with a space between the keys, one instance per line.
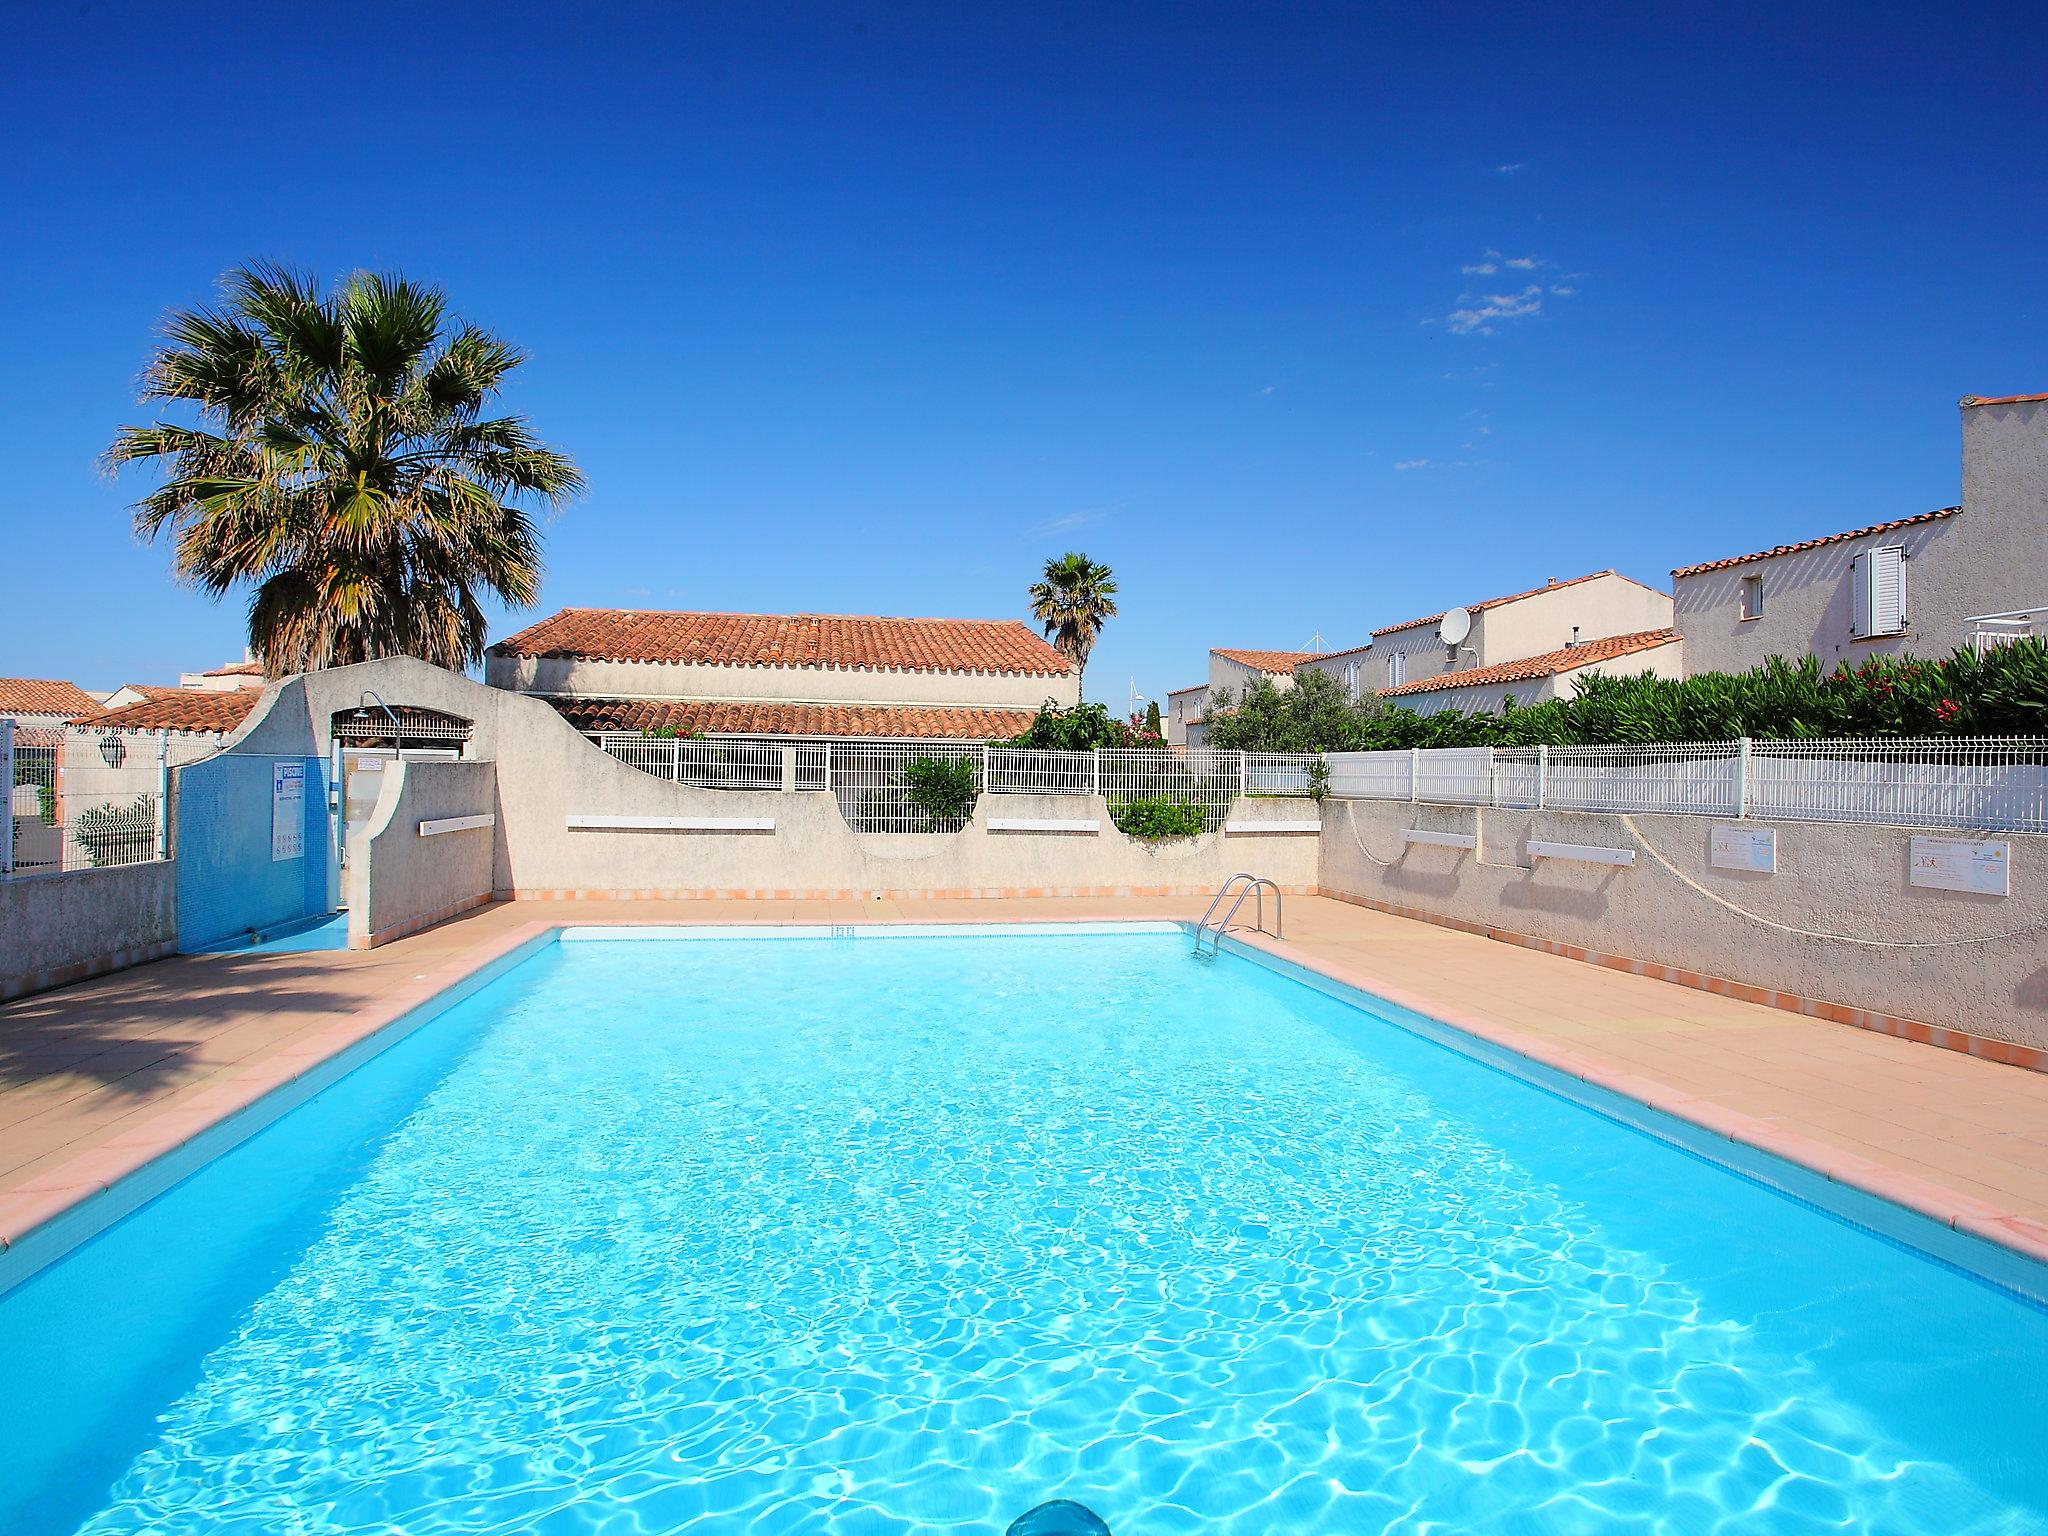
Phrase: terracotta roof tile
x=1832 y=538
x=2001 y=399
x=1356 y=650
x=43 y=696
x=740 y=717
x=1530 y=667
x=1512 y=597
x=182 y=709
x=236 y=669
x=789 y=640
x=1267 y=661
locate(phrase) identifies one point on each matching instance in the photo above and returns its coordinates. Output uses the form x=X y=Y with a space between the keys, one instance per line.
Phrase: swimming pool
x=892 y=1234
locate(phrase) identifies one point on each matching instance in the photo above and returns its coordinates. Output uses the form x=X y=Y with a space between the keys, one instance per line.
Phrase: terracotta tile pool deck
x=98 y=1078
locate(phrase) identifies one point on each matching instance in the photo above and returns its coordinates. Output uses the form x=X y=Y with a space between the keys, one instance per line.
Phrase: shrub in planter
x=942 y=787
x=1158 y=817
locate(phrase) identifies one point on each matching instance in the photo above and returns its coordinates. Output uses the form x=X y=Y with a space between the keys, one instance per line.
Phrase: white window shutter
x=1887 y=590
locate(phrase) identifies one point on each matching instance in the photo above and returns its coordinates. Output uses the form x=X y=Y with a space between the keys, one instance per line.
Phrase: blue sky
x=1303 y=318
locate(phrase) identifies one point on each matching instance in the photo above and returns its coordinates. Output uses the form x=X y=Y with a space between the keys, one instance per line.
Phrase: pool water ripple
x=867 y=1238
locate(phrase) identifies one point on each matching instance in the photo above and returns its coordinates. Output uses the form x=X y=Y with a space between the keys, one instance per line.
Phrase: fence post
x=1095 y=771
x=1414 y=774
x=984 y=765
x=675 y=759
x=1492 y=779
x=789 y=769
x=163 y=794
x=1242 y=781
x=1542 y=777
x=828 y=766
x=1743 y=762
x=7 y=788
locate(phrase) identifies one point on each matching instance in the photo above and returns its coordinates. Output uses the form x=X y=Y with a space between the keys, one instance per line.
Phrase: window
x=1397 y=669
x=1877 y=586
x=1351 y=680
x=1752 y=597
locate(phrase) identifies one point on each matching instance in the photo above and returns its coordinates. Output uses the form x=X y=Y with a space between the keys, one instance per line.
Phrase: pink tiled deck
x=96 y=1079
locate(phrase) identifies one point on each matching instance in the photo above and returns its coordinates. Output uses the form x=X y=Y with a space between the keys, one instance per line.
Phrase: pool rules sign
x=1947 y=864
x=287 y=811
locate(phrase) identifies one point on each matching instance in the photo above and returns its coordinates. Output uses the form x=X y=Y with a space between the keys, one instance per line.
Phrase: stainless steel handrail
x=1257 y=887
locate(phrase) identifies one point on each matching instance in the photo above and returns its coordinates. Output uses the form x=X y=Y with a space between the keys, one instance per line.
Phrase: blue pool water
x=876 y=1236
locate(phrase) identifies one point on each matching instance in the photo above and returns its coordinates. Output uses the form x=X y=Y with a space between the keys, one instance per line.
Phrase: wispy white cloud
x=1269 y=389
x=1484 y=313
x=1412 y=464
x=1067 y=522
x=1509 y=169
x=639 y=592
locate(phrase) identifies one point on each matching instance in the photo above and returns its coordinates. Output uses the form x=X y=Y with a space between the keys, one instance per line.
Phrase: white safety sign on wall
x=1950 y=864
x=1751 y=848
x=287 y=811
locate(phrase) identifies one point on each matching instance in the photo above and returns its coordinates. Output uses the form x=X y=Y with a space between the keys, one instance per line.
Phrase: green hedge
x=1154 y=818
x=2002 y=693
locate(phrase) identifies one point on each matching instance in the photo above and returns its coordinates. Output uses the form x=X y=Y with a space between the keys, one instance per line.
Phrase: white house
x=1231 y=670
x=1927 y=583
x=1527 y=644
x=1536 y=679
x=807 y=674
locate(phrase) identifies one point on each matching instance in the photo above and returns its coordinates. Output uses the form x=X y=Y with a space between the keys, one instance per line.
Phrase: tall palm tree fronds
x=342 y=465
x=1073 y=601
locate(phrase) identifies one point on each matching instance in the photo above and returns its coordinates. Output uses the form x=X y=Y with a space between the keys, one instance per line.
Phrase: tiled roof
x=1174 y=693
x=789 y=640
x=181 y=709
x=43 y=696
x=1832 y=538
x=1356 y=650
x=1512 y=597
x=1547 y=665
x=236 y=669
x=2001 y=399
x=1267 y=661
x=740 y=717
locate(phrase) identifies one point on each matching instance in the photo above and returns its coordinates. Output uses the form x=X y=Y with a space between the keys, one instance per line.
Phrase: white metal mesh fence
x=86 y=799
x=1983 y=783
x=872 y=779
x=1994 y=784
x=872 y=782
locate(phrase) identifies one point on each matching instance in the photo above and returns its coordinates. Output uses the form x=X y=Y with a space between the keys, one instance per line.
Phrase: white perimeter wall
x=1838 y=923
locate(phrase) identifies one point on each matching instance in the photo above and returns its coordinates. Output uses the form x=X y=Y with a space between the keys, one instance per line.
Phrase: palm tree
x=343 y=467
x=1072 y=602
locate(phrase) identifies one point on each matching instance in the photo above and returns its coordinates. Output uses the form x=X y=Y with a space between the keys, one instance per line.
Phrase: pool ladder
x=1254 y=886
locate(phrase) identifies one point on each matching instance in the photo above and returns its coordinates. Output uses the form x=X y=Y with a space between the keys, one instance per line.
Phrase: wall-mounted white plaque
x=1950 y=864
x=1752 y=848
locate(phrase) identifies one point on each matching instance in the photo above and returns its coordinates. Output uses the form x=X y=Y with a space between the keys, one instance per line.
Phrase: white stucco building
x=1527 y=645
x=722 y=674
x=1927 y=583
x=1231 y=670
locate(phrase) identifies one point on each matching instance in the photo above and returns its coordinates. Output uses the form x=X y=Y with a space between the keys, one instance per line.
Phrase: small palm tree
x=344 y=468
x=1073 y=602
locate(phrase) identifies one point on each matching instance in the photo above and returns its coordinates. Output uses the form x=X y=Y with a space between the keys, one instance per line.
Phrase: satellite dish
x=1454 y=626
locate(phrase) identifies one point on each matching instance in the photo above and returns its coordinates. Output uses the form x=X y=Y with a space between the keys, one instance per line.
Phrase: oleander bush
x=2001 y=693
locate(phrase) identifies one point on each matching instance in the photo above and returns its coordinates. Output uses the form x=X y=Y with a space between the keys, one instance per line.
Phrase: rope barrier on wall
x=1351 y=819
x=1814 y=933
